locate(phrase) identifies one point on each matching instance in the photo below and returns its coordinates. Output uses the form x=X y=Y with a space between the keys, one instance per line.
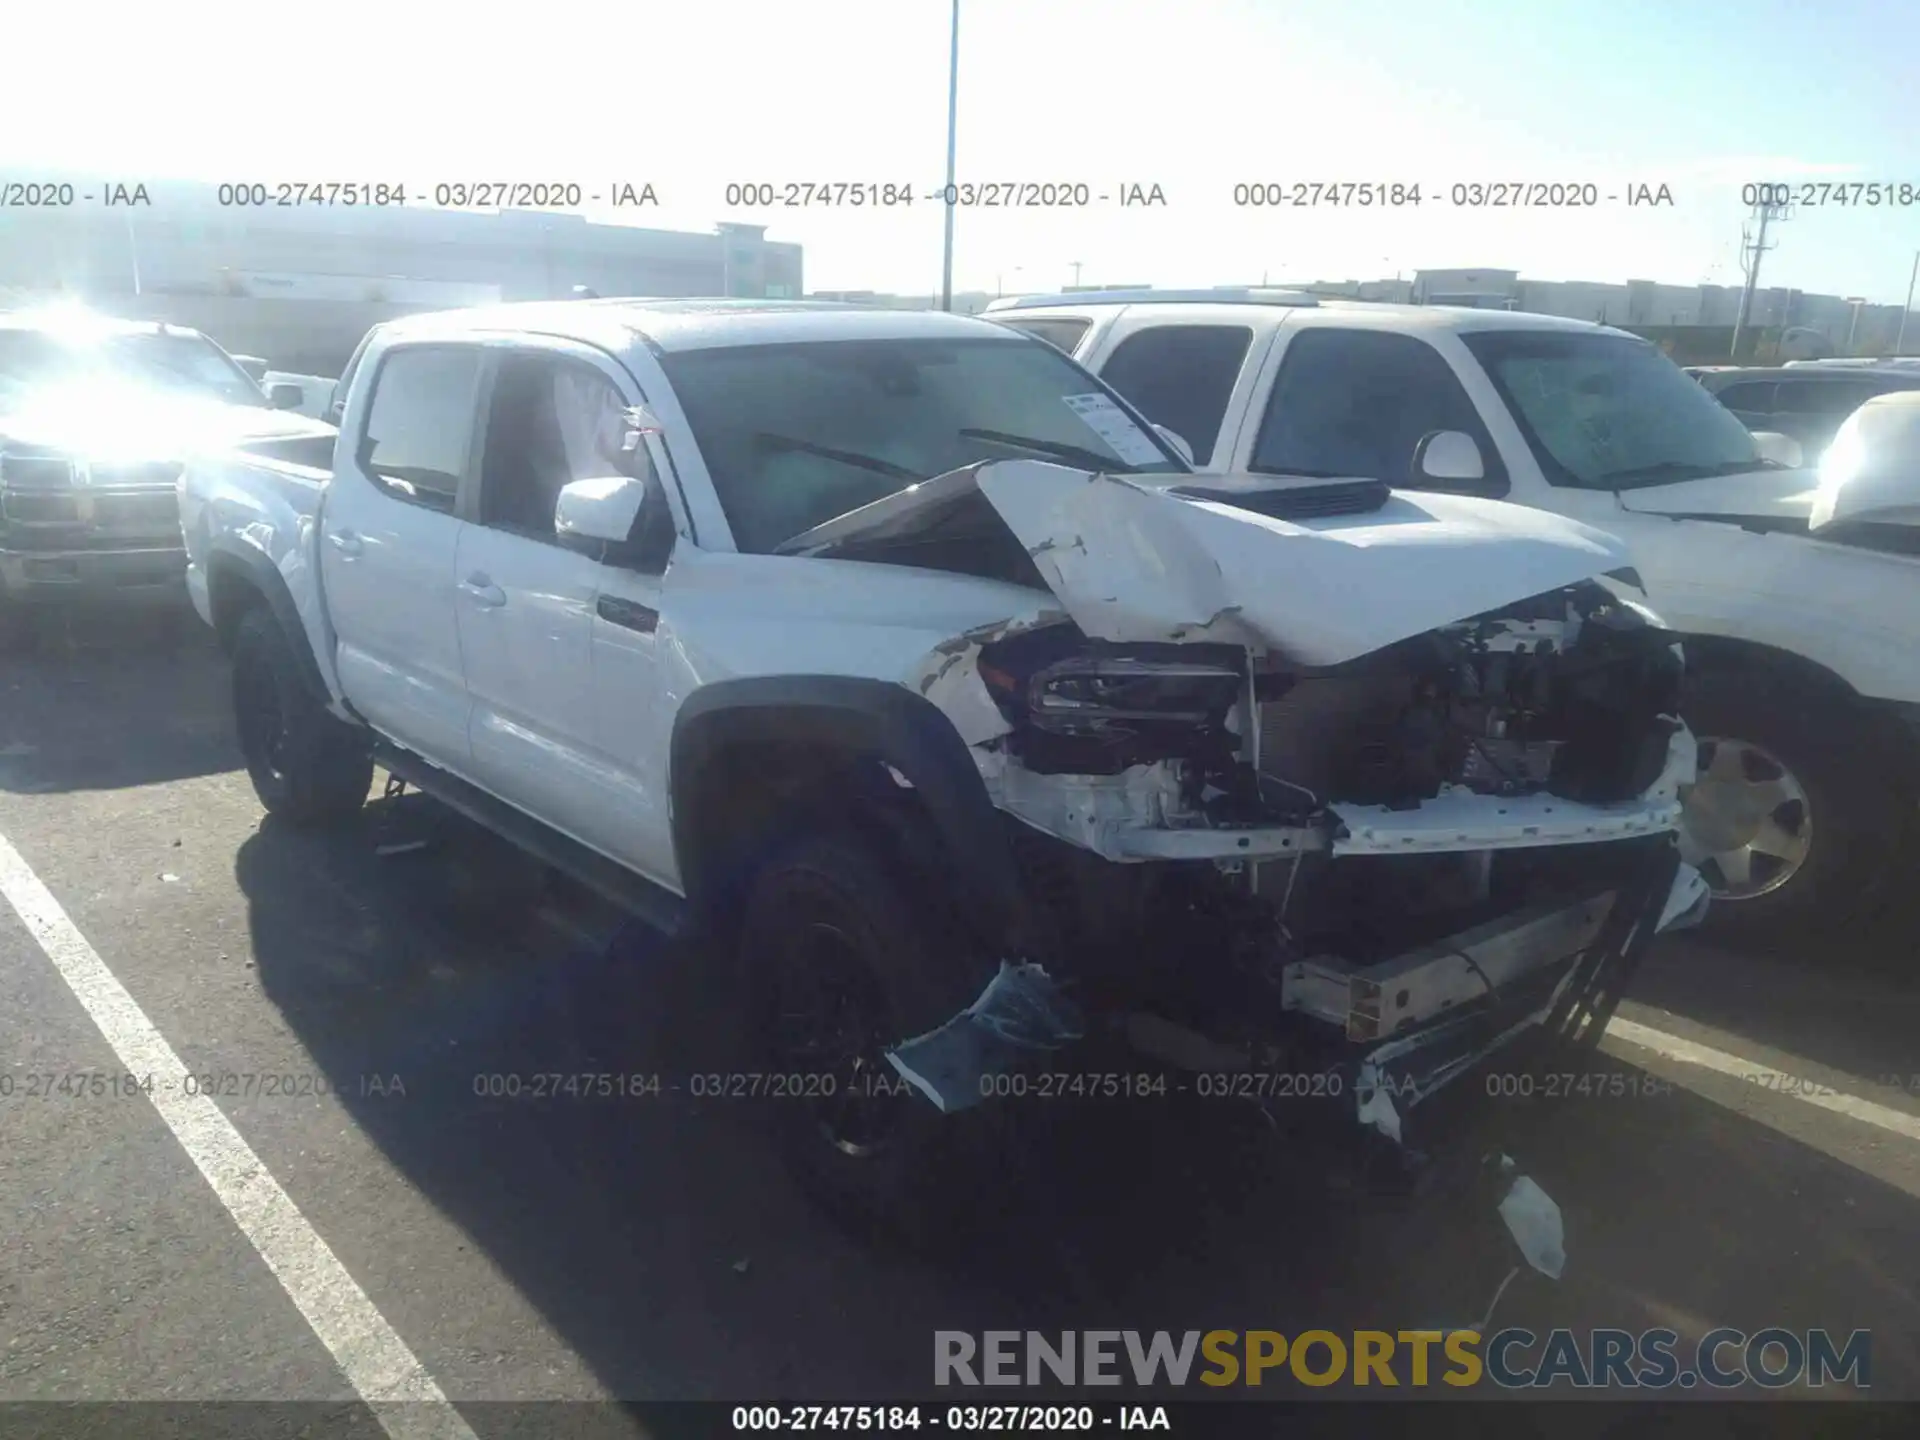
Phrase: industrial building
x=301 y=284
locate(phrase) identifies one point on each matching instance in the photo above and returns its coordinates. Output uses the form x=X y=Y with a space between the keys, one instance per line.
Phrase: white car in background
x=1802 y=628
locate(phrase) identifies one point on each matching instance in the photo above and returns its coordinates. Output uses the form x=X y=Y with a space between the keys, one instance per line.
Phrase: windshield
x=188 y=364
x=795 y=435
x=1609 y=412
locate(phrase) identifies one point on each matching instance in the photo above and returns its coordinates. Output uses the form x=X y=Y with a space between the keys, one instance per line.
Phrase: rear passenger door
x=389 y=531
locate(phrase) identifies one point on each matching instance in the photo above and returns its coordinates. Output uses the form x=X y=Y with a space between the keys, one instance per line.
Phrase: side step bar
x=652 y=904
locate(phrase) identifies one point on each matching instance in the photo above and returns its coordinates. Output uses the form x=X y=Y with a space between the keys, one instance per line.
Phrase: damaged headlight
x=1085 y=693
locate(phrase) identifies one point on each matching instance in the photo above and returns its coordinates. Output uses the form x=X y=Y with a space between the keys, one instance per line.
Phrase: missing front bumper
x=1570 y=998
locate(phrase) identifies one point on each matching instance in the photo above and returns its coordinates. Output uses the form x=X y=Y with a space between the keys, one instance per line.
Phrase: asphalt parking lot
x=652 y=1248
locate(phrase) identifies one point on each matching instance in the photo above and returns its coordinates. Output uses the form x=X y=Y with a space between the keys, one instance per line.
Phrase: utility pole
x=1912 y=275
x=1753 y=245
x=952 y=195
x=1076 y=273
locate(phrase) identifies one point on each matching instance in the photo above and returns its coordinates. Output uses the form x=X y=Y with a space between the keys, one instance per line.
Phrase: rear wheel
x=1792 y=817
x=844 y=957
x=305 y=765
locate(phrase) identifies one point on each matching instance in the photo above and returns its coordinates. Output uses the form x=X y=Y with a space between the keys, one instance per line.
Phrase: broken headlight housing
x=1087 y=694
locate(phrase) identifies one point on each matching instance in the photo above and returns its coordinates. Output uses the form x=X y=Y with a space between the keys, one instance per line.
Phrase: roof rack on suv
x=1230 y=295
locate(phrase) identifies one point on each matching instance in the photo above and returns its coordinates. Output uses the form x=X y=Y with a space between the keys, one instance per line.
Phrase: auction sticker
x=1113 y=425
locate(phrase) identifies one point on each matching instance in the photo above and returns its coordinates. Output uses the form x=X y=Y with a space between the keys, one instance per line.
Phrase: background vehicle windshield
x=1609 y=412
x=795 y=435
x=189 y=364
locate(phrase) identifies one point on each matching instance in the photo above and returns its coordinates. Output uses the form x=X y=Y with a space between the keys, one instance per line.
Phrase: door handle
x=346 y=542
x=484 y=591
x=627 y=614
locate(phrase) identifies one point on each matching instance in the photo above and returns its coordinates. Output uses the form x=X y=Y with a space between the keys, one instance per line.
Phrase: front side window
x=419 y=434
x=1182 y=377
x=1610 y=412
x=796 y=435
x=551 y=422
x=1356 y=404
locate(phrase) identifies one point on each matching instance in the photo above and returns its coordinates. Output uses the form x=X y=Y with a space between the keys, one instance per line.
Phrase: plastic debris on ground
x=1020 y=1011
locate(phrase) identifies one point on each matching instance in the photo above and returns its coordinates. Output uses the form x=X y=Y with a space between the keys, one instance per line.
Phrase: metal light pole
x=953 y=108
x=1911 y=276
x=1751 y=253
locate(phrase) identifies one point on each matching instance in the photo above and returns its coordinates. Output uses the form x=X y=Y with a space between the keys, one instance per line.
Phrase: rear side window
x=1356 y=403
x=1063 y=335
x=1835 y=398
x=1182 y=377
x=1754 y=397
x=420 y=428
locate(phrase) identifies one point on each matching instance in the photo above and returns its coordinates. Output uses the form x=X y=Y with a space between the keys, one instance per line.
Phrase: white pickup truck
x=1802 y=641
x=915 y=667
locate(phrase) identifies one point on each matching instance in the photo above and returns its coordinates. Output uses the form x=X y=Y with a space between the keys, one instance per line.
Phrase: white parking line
x=1778 y=1082
x=376 y=1361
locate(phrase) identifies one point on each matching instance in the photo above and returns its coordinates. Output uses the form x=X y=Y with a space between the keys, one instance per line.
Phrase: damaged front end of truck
x=1303 y=779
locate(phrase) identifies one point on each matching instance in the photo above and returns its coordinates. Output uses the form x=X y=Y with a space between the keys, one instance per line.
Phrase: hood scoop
x=1297 y=502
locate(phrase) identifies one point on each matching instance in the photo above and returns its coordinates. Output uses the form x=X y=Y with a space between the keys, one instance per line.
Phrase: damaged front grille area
x=1581 y=705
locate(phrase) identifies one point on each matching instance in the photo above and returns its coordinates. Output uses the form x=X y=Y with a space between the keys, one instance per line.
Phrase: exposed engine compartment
x=1572 y=694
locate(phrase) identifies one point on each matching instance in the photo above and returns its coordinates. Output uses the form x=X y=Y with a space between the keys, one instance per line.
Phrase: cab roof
x=1286 y=307
x=696 y=324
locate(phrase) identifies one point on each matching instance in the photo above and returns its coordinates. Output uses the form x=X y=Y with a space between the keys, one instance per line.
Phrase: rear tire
x=842 y=957
x=1800 y=783
x=306 y=766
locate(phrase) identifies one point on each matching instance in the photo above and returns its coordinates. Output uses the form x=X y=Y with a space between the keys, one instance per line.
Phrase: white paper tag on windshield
x=1112 y=424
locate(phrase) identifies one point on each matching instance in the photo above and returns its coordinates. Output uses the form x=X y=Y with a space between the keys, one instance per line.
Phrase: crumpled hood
x=113 y=423
x=1131 y=561
x=1757 y=494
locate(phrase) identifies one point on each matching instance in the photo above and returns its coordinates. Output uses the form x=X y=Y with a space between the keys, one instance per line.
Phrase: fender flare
x=255 y=570
x=875 y=719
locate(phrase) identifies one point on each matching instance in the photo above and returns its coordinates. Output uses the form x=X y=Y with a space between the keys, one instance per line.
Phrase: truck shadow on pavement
x=106 y=701
x=664 y=1244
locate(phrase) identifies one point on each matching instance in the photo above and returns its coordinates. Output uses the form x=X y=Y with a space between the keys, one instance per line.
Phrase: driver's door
x=530 y=609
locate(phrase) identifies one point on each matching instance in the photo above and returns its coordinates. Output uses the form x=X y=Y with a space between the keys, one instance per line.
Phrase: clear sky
x=1192 y=95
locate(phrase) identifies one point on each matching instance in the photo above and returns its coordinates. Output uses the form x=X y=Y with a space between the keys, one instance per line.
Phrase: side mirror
x=1177 y=442
x=1448 y=457
x=282 y=395
x=616 y=519
x=1780 y=449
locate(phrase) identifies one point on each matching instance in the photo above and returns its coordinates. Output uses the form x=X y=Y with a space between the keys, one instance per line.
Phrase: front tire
x=844 y=956
x=1793 y=819
x=306 y=766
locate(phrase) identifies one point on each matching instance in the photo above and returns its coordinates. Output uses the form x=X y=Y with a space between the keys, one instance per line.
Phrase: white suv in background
x=1803 y=645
